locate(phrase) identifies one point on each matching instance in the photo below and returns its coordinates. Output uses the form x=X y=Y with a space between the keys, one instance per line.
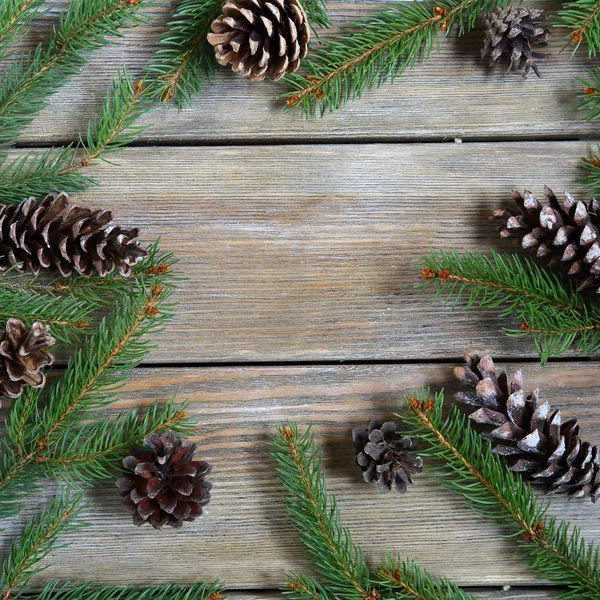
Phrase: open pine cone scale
x=529 y=433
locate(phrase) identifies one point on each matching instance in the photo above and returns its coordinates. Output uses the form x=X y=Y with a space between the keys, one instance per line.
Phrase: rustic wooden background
x=300 y=243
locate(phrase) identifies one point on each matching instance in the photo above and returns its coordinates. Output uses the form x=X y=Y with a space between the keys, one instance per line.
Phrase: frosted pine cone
x=564 y=233
x=528 y=432
x=63 y=237
x=261 y=38
x=385 y=457
x=511 y=32
x=22 y=356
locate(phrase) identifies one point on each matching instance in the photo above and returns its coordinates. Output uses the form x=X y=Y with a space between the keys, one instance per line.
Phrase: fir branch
x=84 y=26
x=15 y=15
x=46 y=172
x=185 y=61
x=404 y=579
x=335 y=557
x=66 y=315
x=375 y=50
x=582 y=19
x=589 y=99
x=467 y=465
x=592 y=167
x=115 y=127
x=316 y=517
x=91 y=453
x=91 y=591
x=555 y=316
x=57 y=170
x=37 y=540
x=89 y=382
x=301 y=587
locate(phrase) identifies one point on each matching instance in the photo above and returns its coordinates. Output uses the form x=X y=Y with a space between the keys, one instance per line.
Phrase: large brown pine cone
x=529 y=433
x=385 y=457
x=563 y=233
x=162 y=484
x=63 y=237
x=22 y=356
x=261 y=38
x=512 y=31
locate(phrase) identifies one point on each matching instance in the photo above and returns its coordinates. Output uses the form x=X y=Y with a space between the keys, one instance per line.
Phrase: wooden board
x=452 y=95
x=311 y=252
x=246 y=539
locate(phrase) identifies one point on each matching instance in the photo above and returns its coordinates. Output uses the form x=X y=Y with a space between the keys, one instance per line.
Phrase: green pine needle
x=89 y=383
x=185 y=61
x=84 y=26
x=403 y=579
x=37 y=539
x=315 y=514
x=337 y=560
x=92 y=452
x=37 y=174
x=92 y=591
x=114 y=127
x=553 y=313
x=589 y=99
x=58 y=170
x=375 y=50
x=582 y=19
x=15 y=15
x=592 y=168
x=467 y=465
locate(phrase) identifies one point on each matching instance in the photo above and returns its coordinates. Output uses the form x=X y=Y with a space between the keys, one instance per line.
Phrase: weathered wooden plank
x=453 y=95
x=306 y=253
x=246 y=539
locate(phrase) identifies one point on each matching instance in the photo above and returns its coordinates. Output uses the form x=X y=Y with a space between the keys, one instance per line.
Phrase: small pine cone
x=66 y=238
x=563 y=234
x=22 y=356
x=528 y=432
x=385 y=457
x=261 y=38
x=512 y=31
x=162 y=484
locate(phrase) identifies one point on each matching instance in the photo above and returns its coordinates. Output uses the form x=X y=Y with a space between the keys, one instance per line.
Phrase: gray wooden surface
x=299 y=240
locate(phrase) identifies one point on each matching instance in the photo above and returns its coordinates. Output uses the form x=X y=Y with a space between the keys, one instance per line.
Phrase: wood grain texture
x=311 y=252
x=246 y=539
x=453 y=94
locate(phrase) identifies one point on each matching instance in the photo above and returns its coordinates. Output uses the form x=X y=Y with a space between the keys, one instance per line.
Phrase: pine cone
x=529 y=433
x=22 y=355
x=385 y=457
x=260 y=38
x=564 y=234
x=512 y=31
x=63 y=237
x=163 y=485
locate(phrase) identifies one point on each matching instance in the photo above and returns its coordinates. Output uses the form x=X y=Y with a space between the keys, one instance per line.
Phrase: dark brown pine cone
x=529 y=433
x=66 y=238
x=385 y=457
x=163 y=485
x=563 y=234
x=260 y=38
x=512 y=31
x=22 y=356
